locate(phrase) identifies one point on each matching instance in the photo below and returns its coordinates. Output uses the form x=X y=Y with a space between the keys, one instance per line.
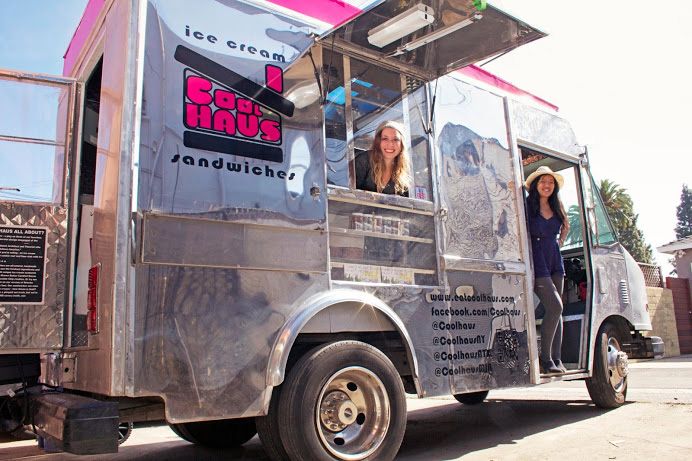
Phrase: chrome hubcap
x=353 y=413
x=338 y=411
x=617 y=365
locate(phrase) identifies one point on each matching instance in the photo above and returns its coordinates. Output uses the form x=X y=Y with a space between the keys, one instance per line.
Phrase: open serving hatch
x=430 y=38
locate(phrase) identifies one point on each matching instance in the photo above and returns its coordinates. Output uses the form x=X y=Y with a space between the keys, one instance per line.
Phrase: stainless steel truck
x=181 y=237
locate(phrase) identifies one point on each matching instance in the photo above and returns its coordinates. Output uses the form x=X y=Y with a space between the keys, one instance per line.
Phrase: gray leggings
x=549 y=291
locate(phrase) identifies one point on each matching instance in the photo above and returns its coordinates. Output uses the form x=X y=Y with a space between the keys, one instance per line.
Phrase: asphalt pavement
x=555 y=421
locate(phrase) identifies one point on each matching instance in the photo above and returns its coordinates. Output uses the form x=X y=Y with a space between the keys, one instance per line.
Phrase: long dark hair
x=553 y=200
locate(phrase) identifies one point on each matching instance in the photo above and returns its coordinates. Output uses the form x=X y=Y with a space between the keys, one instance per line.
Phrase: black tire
x=328 y=401
x=471 y=398
x=223 y=433
x=608 y=384
x=268 y=430
x=124 y=432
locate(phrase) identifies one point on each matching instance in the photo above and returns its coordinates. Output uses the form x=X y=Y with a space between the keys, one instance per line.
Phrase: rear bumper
x=644 y=347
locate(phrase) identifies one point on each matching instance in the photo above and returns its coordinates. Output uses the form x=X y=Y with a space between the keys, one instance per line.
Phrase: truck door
x=484 y=260
x=35 y=148
x=611 y=290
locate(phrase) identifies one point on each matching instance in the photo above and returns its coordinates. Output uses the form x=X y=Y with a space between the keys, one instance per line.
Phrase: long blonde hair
x=401 y=175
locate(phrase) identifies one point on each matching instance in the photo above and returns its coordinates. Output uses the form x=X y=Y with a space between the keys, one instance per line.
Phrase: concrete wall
x=663 y=319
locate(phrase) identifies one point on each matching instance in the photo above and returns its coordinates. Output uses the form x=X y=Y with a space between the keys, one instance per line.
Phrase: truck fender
x=316 y=304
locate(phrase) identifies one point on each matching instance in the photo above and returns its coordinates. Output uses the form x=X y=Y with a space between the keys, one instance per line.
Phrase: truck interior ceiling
x=84 y=210
x=577 y=283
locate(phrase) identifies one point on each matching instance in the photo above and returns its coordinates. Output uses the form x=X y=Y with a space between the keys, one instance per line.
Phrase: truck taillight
x=92 y=300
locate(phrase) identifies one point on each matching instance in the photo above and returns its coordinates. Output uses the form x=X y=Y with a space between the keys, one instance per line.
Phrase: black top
x=365 y=179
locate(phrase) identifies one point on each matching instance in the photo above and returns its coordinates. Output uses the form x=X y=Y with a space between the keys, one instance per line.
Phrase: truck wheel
x=124 y=432
x=223 y=433
x=342 y=401
x=608 y=385
x=471 y=398
x=268 y=430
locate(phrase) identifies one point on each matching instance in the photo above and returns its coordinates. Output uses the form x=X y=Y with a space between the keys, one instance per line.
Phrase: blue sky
x=35 y=33
x=620 y=71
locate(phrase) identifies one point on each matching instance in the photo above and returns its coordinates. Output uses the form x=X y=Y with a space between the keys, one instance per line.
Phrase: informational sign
x=22 y=264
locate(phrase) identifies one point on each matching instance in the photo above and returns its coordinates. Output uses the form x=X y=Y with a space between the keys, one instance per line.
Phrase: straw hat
x=542 y=170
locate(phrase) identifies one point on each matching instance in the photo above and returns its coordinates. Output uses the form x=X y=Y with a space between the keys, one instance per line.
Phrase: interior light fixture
x=401 y=25
x=438 y=34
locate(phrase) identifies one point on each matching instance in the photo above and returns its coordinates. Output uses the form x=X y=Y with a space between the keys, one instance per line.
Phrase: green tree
x=574 y=219
x=684 y=214
x=620 y=208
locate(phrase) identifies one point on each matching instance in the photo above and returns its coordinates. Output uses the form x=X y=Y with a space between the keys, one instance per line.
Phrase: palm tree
x=618 y=203
x=620 y=208
x=574 y=219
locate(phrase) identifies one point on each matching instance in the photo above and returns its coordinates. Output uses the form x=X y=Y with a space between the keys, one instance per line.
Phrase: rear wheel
x=124 y=432
x=224 y=433
x=471 y=398
x=268 y=430
x=608 y=385
x=342 y=401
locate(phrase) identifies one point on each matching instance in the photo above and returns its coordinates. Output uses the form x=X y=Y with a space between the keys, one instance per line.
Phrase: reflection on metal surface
x=205 y=336
x=201 y=242
x=477 y=174
x=537 y=127
x=323 y=300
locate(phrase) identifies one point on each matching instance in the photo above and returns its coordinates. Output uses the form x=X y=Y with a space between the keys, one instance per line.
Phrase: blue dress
x=547 y=259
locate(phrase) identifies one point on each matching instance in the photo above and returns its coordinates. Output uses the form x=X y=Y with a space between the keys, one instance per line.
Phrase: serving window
x=381 y=244
x=360 y=96
x=374 y=237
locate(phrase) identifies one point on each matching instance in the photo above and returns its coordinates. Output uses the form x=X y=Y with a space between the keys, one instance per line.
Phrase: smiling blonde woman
x=385 y=168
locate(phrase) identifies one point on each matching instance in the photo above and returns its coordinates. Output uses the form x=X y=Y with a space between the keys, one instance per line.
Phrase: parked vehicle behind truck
x=196 y=250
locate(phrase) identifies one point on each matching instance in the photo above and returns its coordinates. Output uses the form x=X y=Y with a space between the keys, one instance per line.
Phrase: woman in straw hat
x=548 y=227
x=385 y=167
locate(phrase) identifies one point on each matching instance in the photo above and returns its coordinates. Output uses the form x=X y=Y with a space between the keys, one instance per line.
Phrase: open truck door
x=37 y=123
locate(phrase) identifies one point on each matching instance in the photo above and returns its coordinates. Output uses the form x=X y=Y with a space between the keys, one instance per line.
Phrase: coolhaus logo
x=227 y=113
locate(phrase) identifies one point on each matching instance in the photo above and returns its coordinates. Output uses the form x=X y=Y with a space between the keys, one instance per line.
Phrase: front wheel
x=224 y=433
x=342 y=401
x=608 y=384
x=471 y=398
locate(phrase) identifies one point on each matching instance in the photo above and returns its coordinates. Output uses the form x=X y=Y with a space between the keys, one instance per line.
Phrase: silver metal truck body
x=226 y=231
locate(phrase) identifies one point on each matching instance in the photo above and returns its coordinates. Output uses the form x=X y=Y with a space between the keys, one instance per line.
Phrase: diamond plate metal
x=24 y=326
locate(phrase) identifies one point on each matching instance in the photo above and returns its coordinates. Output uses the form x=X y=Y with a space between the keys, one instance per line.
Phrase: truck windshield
x=604 y=233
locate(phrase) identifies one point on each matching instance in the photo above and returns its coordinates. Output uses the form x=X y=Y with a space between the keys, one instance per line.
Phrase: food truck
x=182 y=238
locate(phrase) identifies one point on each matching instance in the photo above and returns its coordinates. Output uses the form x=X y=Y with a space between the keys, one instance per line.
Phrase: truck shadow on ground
x=441 y=432
x=453 y=430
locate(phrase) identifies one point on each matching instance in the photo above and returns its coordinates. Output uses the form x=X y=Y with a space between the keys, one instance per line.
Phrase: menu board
x=22 y=264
